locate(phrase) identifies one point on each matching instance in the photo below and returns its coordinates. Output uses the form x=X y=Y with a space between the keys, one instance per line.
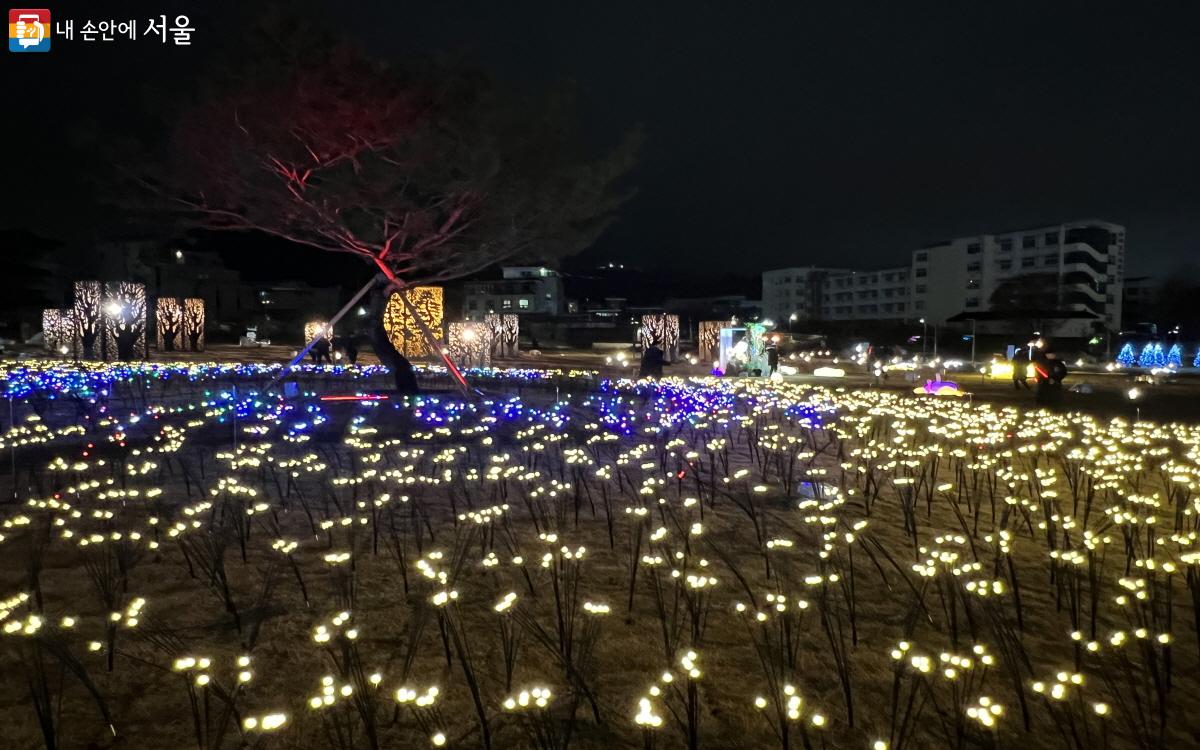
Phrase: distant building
x=796 y=291
x=520 y=290
x=1138 y=297
x=1067 y=276
x=867 y=295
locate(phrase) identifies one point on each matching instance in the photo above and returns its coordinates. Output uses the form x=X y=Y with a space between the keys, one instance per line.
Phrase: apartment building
x=796 y=291
x=1069 y=275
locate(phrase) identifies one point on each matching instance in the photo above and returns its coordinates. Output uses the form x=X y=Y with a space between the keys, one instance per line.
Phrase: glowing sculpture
x=504 y=331
x=470 y=343
x=661 y=329
x=709 y=338
x=402 y=329
x=58 y=330
x=168 y=316
x=193 y=323
x=89 y=319
x=125 y=319
x=1127 y=356
x=313 y=328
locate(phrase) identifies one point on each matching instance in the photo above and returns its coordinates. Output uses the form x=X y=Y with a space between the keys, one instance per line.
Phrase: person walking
x=772 y=360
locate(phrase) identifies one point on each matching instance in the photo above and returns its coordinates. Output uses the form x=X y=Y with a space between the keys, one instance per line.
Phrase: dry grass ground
x=877 y=516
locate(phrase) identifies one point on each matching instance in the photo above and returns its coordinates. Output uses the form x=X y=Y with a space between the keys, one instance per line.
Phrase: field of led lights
x=194 y=556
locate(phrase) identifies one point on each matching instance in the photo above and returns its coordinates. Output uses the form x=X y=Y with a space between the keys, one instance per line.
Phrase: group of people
x=322 y=351
x=1049 y=371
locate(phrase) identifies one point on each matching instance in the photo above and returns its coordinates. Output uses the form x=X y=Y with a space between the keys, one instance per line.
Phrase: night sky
x=790 y=133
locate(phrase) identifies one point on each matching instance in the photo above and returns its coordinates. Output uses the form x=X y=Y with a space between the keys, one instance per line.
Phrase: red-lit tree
x=426 y=174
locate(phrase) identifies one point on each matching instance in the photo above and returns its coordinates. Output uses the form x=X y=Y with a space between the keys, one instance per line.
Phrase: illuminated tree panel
x=402 y=328
x=168 y=317
x=125 y=320
x=661 y=329
x=505 y=329
x=193 y=323
x=470 y=343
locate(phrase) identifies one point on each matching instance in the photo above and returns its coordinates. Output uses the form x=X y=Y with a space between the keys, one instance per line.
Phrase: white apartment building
x=1081 y=265
x=867 y=295
x=796 y=291
x=523 y=289
x=1078 y=267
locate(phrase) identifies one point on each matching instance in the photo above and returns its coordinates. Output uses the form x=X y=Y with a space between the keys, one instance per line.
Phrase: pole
x=972 y=344
x=924 y=339
x=935 y=340
x=12 y=447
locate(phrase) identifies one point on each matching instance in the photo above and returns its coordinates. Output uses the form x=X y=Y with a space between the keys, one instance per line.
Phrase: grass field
x=197 y=562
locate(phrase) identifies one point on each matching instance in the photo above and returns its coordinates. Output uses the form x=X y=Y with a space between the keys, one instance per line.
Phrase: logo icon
x=29 y=30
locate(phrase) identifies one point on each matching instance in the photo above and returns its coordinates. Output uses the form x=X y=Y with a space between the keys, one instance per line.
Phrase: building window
x=974 y=267
x=974 y=248
x=920 y=273
x=1051 y=238
x=1028 y=262
x=1028 y=241
x=972 y=302
x=1049 y=260
x=506 y=304
x=523 y=303
x=921 y=288
x=921 y=257
x=918 y=305
x=1006 y=246
x=1004 y=265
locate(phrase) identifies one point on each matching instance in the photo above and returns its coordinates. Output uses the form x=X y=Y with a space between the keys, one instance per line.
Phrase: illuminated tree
x=424 y=173
x=1146 y=358
x=1175 y=356
x=1160 y=358
x=1196 y=361
x=1127 y=356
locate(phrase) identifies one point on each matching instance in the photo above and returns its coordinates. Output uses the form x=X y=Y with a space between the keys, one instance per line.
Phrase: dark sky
x=780 y=133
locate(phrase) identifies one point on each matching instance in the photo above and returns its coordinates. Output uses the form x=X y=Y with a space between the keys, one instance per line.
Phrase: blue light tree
x=1196 y=361
x=1160 y=357
x=1175 y=356
x=1146 y=359
x=1127 y=357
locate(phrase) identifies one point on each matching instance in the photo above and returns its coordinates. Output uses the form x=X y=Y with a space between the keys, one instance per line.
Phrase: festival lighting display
x=505 y=331
x=89 y=319
x=168 y=316
x=661 y=329
x=470 y=343
x=663 y=564
x=708 y=338
x=403 y=331
x=125 y=320
x=58 y=331
x=315 y=328
x=193 y=323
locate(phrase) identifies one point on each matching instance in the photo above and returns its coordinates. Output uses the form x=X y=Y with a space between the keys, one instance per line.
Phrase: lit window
x=523 y=303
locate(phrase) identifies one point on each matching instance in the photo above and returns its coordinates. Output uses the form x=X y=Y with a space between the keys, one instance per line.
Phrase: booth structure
x=743 y=350
x=661 y=329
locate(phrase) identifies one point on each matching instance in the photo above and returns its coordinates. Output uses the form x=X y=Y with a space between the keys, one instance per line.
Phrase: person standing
x=652 y=362
x=1020 y=369
x=772 y=360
